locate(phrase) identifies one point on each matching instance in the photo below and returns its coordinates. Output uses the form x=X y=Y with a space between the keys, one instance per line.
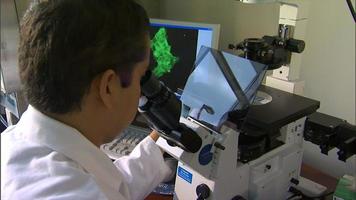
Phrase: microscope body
x=216 y=172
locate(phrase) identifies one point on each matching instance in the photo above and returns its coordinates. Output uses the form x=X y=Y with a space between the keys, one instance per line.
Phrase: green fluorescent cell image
x=162 y=53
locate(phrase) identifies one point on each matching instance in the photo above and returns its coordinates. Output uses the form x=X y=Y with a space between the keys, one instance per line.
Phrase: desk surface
x=307 y=172
x=158 y=197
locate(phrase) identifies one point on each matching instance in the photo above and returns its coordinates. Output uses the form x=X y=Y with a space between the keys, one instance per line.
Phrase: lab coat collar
x=64 y=139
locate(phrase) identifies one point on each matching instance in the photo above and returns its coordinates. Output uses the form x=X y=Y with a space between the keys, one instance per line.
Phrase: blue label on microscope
x=205 y=156
x=184 y=174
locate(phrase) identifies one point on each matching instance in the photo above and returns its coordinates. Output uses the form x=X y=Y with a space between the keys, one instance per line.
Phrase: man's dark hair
x=65 y=44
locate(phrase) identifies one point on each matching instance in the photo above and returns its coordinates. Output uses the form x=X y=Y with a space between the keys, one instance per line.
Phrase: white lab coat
x=42 y=158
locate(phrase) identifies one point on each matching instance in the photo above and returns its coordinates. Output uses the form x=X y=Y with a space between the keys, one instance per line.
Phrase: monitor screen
x=174 y=48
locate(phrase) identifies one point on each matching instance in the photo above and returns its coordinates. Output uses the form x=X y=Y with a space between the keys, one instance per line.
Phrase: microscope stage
x=284 y=108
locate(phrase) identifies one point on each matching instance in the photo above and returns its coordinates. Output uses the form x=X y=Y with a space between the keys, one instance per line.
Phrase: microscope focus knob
x=238 y=197
x=296 y=46
x=203 y=191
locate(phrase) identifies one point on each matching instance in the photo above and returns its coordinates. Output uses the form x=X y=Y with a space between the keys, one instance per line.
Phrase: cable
x=351 y=9
x=17 y=13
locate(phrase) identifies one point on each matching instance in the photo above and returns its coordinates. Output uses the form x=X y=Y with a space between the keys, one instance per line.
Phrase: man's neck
x=84 y=124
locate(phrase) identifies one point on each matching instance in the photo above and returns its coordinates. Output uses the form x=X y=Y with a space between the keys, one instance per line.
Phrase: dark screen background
x=183 y=44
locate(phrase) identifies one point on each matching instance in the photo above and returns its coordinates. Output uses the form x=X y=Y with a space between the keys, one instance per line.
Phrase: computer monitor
x=174 y=48
x=175 y=45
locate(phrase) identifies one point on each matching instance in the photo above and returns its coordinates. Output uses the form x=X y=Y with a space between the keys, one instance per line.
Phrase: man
x=80 y=63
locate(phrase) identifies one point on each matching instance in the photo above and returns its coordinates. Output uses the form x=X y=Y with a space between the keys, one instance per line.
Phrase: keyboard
x=125 y=142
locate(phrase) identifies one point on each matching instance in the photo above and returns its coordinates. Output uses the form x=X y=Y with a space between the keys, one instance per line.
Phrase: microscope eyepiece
x=162 y=109
x=150 y=86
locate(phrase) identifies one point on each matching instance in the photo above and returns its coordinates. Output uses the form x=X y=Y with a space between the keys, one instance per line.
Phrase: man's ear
x=108 y=87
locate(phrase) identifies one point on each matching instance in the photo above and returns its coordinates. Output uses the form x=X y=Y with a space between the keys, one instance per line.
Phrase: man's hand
x=154 y=135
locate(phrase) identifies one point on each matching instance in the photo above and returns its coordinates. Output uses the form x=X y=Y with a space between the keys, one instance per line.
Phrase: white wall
x=328 y=62
x=152 y=7
x=329 y=58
